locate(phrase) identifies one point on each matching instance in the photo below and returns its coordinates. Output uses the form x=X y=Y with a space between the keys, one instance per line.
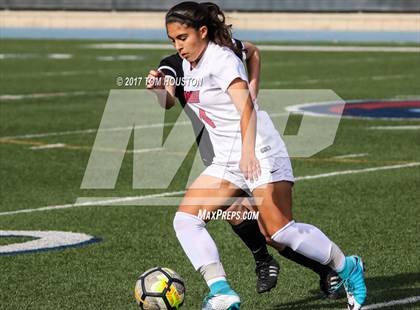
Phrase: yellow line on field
x=24 y=142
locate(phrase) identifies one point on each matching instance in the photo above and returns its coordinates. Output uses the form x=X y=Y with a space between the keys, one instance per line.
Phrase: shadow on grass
x=380 y=289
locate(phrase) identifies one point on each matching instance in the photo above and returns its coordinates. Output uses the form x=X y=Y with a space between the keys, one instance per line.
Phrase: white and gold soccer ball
x=159 y=288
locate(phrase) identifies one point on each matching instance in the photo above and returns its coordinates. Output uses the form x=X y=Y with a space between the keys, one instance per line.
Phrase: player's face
x=189 y=42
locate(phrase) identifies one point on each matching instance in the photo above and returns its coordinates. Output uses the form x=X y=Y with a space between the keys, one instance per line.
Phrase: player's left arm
x=253 y=64
x=249 y=164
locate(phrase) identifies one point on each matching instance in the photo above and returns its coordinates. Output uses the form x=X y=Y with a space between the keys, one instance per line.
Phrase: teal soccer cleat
x=222 y=298
x=354 y=284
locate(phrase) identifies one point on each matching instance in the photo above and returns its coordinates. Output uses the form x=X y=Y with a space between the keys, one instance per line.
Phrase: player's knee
x=271 y=242
x=284 y=236
x=237 y=210
x=233 y=220
x=187 y=222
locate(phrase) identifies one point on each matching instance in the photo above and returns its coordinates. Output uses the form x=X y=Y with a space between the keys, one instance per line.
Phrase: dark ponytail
x=196 y=15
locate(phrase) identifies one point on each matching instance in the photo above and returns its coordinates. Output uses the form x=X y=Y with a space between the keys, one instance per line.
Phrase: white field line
x=306 y=48
x=131 y=46
x=94 y=130
x=140 y=151
x=46 y=95
x=408 y=300
x=166 y=194
x=337 y=61
x=350 y=79
x=278 y=63
x=59 y=56
x=62 y=145
x=120 y=58
x=343 y=172
x=18 y=56
x=351 y=155
x=33 y=74
x=14 y=97
x=406 y=127
x=95 y=203
x=30 y=55
x=48 y=146
x=286 y=48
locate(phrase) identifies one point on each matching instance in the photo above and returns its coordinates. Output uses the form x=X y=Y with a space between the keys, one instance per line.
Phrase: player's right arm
x=165 y=92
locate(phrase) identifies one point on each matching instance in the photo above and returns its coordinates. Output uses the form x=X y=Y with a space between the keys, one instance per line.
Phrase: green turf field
x=371 y=213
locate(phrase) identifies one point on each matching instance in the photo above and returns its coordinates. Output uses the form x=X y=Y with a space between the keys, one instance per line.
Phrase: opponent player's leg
x=197 y=243
x=276 y=215
x=328 y=278
x=248 y=231
x=266 y=267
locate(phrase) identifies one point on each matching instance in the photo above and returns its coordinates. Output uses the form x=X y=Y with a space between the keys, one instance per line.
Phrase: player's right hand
x=250 y=167
x=155 y=80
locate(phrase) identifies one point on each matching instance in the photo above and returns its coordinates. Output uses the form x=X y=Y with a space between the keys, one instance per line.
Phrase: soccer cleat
x=328 y=284
x=355 y=285
x=221 y=302
x=223 y=299
x=267 y=274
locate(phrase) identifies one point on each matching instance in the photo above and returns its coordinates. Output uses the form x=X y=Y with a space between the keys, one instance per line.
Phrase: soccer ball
x=159 y=289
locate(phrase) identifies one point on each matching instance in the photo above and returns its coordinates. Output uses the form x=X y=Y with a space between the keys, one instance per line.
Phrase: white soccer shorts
x=273 y=169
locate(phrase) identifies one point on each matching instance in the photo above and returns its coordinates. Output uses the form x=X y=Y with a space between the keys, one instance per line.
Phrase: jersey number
x=205 y=118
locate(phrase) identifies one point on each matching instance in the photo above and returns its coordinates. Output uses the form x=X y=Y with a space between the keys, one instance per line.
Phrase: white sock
x=305 y=239
x=196 y=241
x=213 y=272
x=337 y=258
x=214 y=280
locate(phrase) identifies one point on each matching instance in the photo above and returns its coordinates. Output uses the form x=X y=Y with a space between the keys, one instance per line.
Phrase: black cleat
x=328 y=284
x=267 y=274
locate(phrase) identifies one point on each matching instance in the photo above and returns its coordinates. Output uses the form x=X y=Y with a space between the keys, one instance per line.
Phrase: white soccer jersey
x=205 y=91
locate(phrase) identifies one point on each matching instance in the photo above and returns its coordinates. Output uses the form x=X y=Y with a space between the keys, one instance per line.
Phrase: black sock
x=302 y=260
x=250 y=233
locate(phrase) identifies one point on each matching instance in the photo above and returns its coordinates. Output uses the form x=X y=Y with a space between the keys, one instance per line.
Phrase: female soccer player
x=267 y=268
x=257 y=162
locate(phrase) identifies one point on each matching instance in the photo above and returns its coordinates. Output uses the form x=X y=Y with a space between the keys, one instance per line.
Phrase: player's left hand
x=250 y=167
